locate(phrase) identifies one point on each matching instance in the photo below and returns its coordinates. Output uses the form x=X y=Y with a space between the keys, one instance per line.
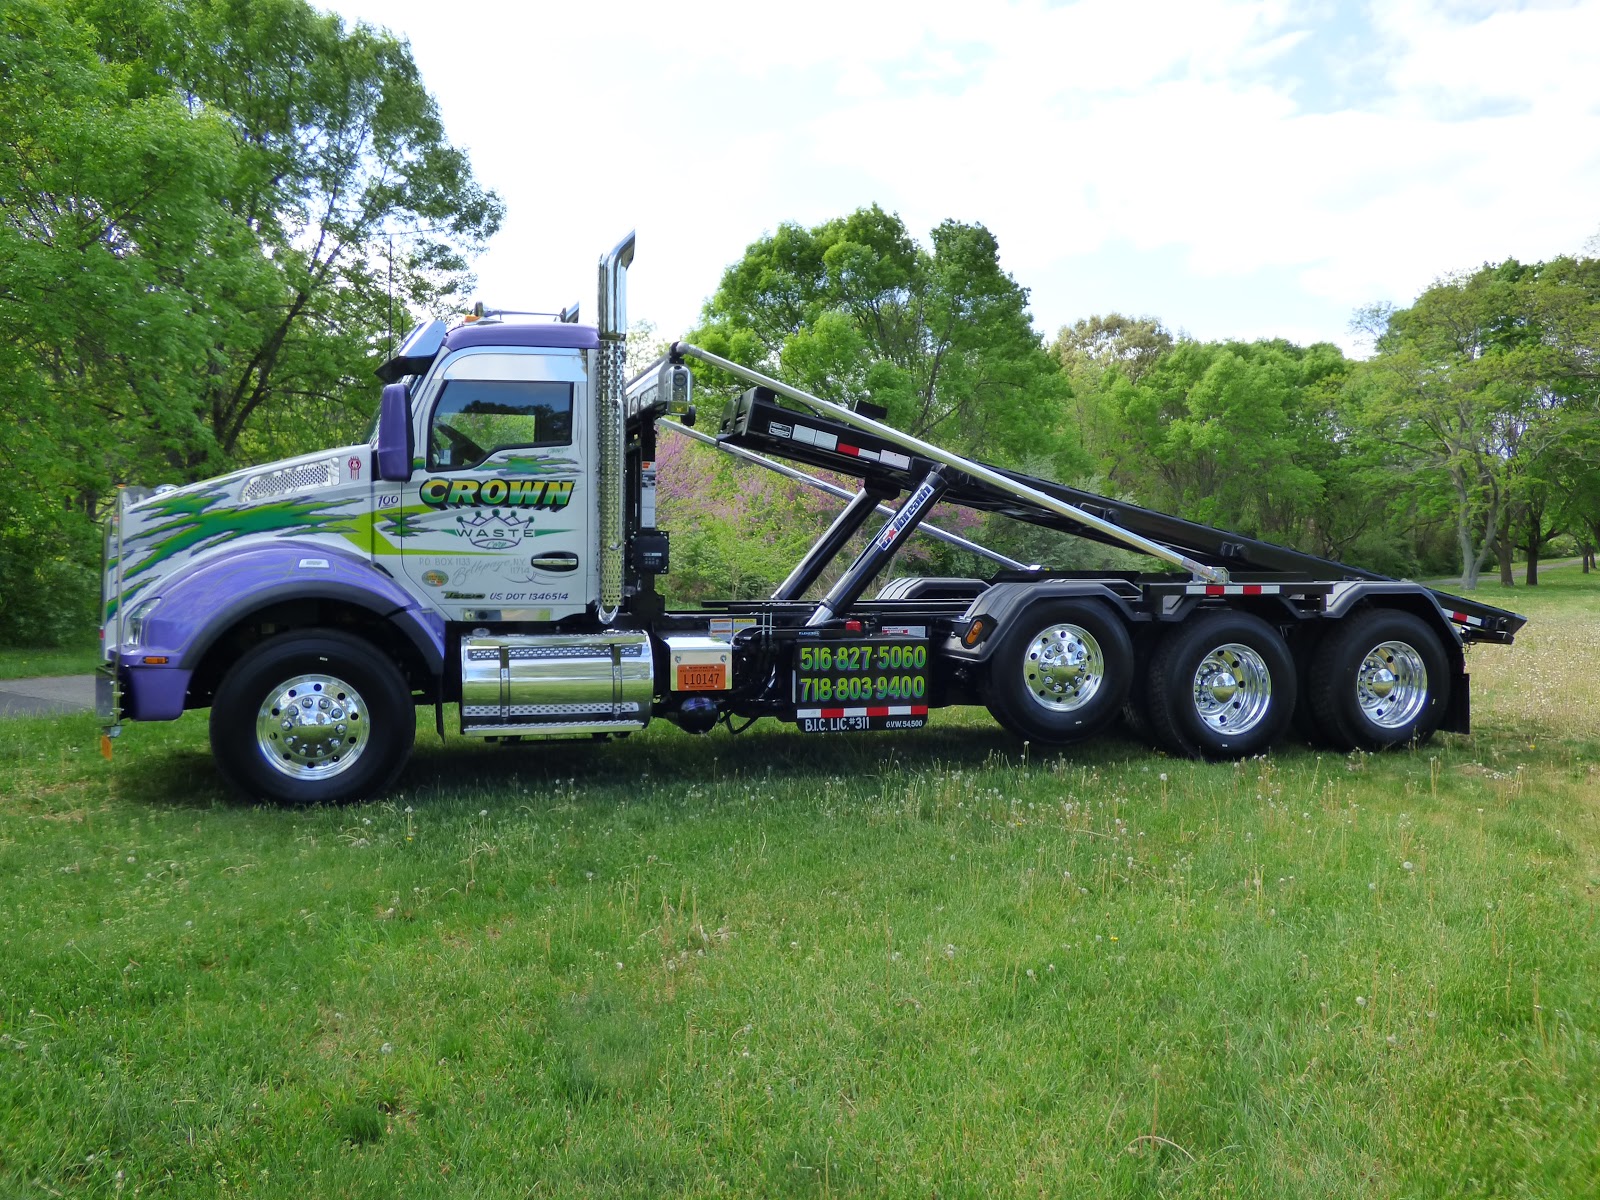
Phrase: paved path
x=41 y=697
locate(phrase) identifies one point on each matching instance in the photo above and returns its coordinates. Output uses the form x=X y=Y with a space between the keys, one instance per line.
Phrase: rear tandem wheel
x=1060 y=671
x=1380 y=679
x=1221 y=686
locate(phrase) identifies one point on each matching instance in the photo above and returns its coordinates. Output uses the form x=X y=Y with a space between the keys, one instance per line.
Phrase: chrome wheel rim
x=312 y=727
x=1232 y=689
x=1063 y=667
x=1392 y=685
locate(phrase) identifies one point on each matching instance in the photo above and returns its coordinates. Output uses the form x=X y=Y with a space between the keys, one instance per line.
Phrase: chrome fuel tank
x=556 y=683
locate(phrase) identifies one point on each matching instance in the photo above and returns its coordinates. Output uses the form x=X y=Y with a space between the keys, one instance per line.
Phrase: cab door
x=497 y=524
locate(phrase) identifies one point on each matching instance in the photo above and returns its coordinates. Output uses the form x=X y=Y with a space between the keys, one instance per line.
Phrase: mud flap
x=1458 y=717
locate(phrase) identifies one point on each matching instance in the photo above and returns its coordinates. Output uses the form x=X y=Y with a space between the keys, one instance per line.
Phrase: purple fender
x=201 y=603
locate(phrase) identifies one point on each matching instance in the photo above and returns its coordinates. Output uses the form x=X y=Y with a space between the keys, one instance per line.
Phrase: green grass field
x=925 y=964
x=20 y=662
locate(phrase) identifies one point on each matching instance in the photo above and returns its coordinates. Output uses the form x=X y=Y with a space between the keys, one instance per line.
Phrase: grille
x=285 y=480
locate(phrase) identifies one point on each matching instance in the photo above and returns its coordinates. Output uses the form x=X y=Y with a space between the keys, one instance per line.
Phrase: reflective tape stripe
x=893 y=710
x=1233 y=589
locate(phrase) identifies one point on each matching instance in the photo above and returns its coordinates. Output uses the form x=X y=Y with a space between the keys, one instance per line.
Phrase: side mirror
x=396 y=439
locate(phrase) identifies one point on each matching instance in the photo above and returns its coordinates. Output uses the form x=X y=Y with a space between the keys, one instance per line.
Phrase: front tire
x=1382 y=680
x=1060 y=671
x=312 y=717
x=1222 y=687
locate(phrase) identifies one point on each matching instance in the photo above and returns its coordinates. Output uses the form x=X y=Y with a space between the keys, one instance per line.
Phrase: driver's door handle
x=557 y=562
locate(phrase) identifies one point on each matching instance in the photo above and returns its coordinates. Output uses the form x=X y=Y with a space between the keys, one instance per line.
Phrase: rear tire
x=1060 y=671
x=1380 y=680
x=312 y=717
x=1221 y=687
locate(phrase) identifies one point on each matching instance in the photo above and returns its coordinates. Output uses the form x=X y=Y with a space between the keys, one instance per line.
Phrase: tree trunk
x=1469 y=552
x=1502 y=549
x=1533 y=562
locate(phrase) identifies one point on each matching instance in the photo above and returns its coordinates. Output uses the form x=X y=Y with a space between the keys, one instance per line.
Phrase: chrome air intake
x=610 y=426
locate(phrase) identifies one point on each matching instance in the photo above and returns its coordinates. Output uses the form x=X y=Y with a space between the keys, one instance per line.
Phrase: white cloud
x=1342 y=159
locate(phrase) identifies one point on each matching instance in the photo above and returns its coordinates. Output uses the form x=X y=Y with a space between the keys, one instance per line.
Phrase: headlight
x=133 y=623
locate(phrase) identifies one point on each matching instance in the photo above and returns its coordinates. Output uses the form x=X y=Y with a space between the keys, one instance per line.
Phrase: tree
x=344 y=176
x=1233 y=434
x=1483 y=383
x=204 y=202
x=941 y=338
x=106 y=195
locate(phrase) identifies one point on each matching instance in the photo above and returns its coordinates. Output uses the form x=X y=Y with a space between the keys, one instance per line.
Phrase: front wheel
x=312 y=717
x=1060 y=671
x=1381 y=680
x=1222 y=687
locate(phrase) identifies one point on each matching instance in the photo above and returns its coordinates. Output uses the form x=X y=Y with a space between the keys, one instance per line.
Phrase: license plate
x=703 y=677
x=861 y=720
x=834 y=724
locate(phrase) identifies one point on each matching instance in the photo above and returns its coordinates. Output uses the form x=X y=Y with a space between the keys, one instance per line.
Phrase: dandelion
x=1113 y=937
x=1407 y=865
x=1163 y=777
x=1361 y=1001
x=1030 y=973
x=949 y=951
x=1050 y=968
x=408 y=810
x=131 y=858
x=483 y=812
x=1372 y=887
x=619 y=966
x=386 y=1048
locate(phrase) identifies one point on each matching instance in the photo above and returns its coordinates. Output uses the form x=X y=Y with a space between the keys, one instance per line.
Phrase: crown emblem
x=493 y=530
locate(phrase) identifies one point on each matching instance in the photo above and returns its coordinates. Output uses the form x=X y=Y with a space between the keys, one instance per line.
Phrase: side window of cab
x=474 y=419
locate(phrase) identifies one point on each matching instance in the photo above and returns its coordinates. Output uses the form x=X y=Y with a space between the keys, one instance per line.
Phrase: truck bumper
x=137 y=692
x=107 y=694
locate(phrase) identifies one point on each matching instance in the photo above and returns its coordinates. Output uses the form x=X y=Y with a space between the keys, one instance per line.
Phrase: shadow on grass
x=182 y=774
x=769 y=751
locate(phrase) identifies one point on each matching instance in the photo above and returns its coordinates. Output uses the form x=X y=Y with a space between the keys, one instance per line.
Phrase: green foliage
x=204 y=203
x=854 y=309
x=1486 y=386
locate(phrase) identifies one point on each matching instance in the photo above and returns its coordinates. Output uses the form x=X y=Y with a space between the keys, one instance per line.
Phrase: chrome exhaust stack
x=610 y=423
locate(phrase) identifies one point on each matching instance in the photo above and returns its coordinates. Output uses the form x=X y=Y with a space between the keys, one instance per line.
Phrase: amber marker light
x=974 y=633
x=155 y=660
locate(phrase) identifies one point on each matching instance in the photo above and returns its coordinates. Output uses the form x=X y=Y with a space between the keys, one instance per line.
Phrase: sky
x=1237 y=169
